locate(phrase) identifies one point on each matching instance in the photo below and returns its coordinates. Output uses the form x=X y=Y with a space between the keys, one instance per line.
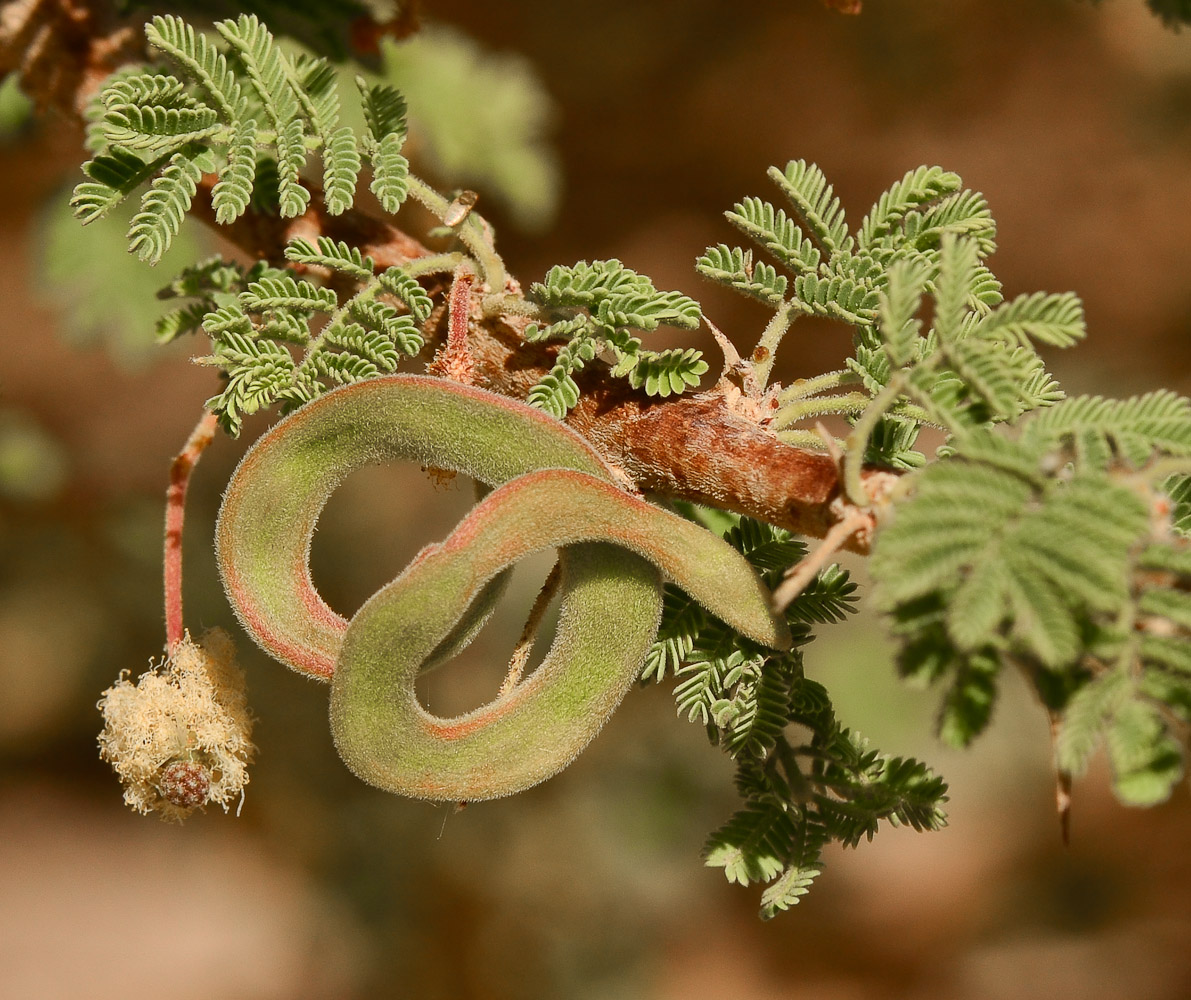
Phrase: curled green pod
x=273 y=501
x=553 y=491
x=608 y=615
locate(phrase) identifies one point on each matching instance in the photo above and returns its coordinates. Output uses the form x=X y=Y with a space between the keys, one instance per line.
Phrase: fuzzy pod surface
x=552 y=491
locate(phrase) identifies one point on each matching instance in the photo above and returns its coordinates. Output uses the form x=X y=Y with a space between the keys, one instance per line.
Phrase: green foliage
x=662 y=373
x=405 y=287
x=975 y=364
x=1041 y=553
x=1140 y=704
x=252 y=315
x=595 y=307
x=1100 y=431
x=249 y=113
x=924 y=186
x=384 y=113
x=734 y=267
x=165 y=204
x=815 y=202
x=1051 y=548
x=558 y=391
x=776 y=233
x=336 y=255
x=805 y=780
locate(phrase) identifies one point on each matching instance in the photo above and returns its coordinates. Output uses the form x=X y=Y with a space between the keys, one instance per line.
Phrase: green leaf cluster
x=254 y=316
x=1055 y=547
x=925 y=236
x=245 y=111
x=828 y=271
x=1133 y=695
x=806 y=781
x=597 y=307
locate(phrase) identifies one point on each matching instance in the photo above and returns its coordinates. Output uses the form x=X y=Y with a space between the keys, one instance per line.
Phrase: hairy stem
x=454 y=360
x=862 y=430
x=806 y=387
x=175 y=515
x=471 y=231
x=504 y=304
x=766 y=349
x=438 y=263
x=851 y=402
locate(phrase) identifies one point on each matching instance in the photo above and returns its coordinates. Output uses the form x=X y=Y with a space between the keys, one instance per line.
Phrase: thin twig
x=733 y=363
x=819 y=406
x=175 y=515
x=1063 y=803
x=830 y=443
x=524 y=645
x=763 y=353
x=800 y=575
x=862 y=430
x=804 y=387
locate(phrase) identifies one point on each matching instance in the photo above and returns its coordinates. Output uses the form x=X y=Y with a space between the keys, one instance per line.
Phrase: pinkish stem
x=175 y=514
x=454 y=361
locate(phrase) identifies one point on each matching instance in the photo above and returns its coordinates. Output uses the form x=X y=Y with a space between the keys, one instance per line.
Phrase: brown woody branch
x=62 y=50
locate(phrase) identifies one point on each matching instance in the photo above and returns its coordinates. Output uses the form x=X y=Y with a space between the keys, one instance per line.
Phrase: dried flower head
x=179 y=738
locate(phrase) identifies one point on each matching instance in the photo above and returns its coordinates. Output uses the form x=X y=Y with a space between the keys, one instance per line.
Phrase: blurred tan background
x=1074 y=120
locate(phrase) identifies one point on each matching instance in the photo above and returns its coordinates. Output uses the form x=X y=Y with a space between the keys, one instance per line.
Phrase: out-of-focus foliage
x=15 y=107
x=33 y=465
x=103 y=297
x=483 y=118
x=1052 y=547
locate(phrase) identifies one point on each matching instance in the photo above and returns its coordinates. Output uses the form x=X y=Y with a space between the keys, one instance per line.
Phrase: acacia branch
x=691 y=447
x=697 y=448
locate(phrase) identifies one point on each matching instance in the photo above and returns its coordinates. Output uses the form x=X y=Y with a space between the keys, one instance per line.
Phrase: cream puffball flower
x=179 y=738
